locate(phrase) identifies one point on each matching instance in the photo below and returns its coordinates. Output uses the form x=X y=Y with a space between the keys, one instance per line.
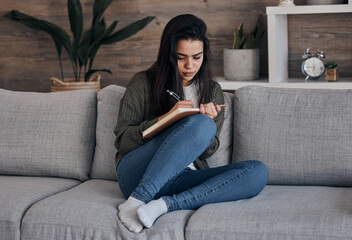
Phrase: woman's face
x=189 y=59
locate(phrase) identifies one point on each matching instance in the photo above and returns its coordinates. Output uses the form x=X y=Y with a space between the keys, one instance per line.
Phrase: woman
x=169 y=171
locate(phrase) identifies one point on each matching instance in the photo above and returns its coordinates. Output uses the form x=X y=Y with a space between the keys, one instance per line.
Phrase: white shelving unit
x=345 y=83
x=278 y=49
x=278 y=39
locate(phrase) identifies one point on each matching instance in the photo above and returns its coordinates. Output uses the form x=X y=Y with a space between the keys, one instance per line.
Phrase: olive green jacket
x=134 y=118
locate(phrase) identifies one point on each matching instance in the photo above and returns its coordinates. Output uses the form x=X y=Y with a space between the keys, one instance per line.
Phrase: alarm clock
x=312 y=65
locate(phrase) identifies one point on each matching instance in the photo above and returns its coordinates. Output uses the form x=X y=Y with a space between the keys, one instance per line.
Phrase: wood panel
x=28 y=58
x=330 y=33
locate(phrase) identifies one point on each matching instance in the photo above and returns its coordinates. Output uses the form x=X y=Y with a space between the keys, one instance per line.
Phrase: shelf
x=278 y=38
x=309 y=9
x=233 y=85
x=343 y=83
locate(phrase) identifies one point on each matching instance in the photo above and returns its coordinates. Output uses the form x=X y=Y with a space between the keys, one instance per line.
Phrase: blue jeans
x=159 y=169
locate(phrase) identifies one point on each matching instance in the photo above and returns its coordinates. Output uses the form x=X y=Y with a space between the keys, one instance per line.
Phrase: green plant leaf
x=128 y=31
x=94 y=47
x=109 y=30
x=83 y=48
x=241 y=41
x=99 y=8
x=238 y=37
x=249 y=42
x=74 y=8
x=98 y=30
x=59 y=36
x=331 y=64
x=53 y=30
x=91 y=54
x=95 y=43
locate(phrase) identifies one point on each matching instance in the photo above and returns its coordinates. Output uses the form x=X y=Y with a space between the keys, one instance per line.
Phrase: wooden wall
x=28 y=58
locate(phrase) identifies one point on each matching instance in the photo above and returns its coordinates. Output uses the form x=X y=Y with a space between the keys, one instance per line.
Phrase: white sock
x=128 y=214
x=149 y=212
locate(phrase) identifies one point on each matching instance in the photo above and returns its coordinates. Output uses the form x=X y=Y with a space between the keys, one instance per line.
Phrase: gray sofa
x=57 y=174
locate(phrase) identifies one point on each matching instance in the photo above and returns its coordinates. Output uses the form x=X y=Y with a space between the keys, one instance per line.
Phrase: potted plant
x=242 y=61
x=331 y=71
x=84 y=46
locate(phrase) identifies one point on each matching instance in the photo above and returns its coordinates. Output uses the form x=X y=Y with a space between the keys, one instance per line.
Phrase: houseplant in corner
x=84 y=46
x=241 y=63
x=331 y=71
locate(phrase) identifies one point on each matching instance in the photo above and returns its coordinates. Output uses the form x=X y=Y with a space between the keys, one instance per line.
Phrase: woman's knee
x=202 y=126
x=259 y=173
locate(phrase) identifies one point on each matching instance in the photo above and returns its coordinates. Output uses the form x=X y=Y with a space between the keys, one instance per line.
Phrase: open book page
x=170 y=119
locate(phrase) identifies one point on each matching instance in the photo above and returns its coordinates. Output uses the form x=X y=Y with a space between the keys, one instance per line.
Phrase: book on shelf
x=170 y=119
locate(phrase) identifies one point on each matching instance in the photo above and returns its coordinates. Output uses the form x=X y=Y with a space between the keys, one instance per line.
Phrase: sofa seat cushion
x=89 y=211
x=47 y=134
x=278 y=212
x=302 y=135
x=17 y=194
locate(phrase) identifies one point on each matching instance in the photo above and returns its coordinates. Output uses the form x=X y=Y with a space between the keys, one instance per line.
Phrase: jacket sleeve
x=217 y=98
x=131 y=118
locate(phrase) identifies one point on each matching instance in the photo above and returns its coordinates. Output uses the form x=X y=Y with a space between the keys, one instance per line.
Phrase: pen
x=174 y=95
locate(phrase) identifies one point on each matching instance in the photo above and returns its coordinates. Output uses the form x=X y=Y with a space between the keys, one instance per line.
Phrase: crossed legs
x=155 y=180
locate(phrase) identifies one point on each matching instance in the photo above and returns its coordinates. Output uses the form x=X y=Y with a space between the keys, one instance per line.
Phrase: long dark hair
x=164 y=72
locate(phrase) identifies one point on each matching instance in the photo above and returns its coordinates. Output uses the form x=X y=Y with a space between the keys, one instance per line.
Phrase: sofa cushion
x=89 y=211
x=47 y=134
x=19 y=193
x=302 y=135
x=224 y=154
x=103 y=166
x=278 y=212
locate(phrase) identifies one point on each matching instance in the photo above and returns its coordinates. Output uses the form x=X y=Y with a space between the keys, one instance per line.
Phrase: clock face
x=314 y=67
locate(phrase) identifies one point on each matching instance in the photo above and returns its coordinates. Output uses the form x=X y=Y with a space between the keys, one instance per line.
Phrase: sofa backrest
x=103 y=166
x=47 y=134
x=304 y=136
x=224 y=154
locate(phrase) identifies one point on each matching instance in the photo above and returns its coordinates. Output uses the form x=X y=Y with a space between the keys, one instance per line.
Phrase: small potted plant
x=331 y=71
x=84 y=46
x=242 y=61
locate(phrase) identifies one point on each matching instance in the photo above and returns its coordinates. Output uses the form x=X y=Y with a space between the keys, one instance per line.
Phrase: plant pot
x=331 y=75
x=241 y=64
x=286 y=3
x=324 y=2
x=56 y=85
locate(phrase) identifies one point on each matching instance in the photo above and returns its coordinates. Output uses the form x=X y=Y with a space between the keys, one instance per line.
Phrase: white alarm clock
x=313 y=66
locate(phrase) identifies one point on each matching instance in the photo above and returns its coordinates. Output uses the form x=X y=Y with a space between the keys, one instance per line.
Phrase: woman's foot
x=128 y=214
x=149 y=212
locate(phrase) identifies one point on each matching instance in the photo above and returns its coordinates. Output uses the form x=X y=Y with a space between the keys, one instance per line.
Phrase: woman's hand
x=209 y=109
x=179 y=104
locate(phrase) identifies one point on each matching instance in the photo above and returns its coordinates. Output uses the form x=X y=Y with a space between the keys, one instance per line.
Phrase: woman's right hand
x=179 y=104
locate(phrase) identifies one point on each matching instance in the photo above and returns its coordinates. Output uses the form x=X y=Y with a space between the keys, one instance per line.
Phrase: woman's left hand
x=209 y=109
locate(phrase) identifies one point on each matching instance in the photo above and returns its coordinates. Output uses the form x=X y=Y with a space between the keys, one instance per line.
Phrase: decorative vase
x=241 y=64
x=286 y=3
x=56 y=85
x=331 y=75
